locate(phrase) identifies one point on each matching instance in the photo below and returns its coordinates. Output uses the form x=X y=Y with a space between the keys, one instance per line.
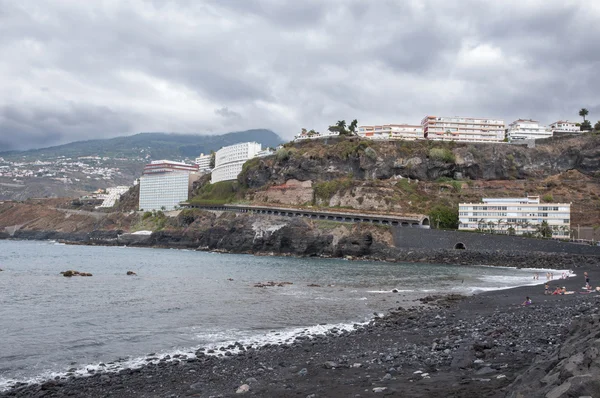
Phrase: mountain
x=152 y=145
x=74 y=169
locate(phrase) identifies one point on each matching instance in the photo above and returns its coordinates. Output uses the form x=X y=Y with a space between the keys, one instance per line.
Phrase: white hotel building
x=203 y=162
x=165 y=184
x=463 y=129
x=564 y=126
x=230 y=159
x=523 y=215
x=527 y=129
x=392 y=132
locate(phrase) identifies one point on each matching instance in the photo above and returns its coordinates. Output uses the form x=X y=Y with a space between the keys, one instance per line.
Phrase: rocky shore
x=486 y=345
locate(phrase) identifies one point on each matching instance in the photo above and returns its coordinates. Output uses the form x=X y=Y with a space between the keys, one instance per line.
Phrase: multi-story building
x=463 y=129
x=203 y=162
x=230 y=159
x=392 y=132
x=164 y=184
x=112 y=195
x=564 y=126
x=515 y=215
x=527 y=129
x=312 y=135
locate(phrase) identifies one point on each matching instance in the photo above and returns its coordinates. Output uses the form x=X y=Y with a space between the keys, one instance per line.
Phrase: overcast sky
x=73 y=70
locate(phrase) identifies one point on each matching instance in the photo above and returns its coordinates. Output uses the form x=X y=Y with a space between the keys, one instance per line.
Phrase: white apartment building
x=230 y=159
x=564 y=126
x=392 y=132
x=112 y=195
x=527 y=129
x=463 y=129
x=165 y=184
x=307 y=135
x=523 y=215
x=203 y=162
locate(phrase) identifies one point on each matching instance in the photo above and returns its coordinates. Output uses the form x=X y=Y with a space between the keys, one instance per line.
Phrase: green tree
x=586 y=126
x=444 y=217
x=544 y=230
x=583 y=113
x=597 y=126
x=353 y=126
x=212 y=159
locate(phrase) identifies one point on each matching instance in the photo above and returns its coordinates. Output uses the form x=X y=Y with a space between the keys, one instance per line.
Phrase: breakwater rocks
x=480 y=346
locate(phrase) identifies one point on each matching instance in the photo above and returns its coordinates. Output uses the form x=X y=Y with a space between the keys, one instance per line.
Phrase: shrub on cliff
x=218 y=193
x=325 y=190
x=442 y=154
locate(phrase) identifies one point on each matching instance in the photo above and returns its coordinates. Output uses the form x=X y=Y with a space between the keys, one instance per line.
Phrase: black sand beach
x=449 y=347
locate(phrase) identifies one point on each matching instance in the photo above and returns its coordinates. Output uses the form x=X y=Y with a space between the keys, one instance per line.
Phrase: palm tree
x=352 y=127
x=583 y=113
x=341 y=124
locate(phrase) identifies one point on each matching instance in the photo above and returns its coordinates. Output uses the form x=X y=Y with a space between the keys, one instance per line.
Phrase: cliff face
x=414 y=177
x=425 y=161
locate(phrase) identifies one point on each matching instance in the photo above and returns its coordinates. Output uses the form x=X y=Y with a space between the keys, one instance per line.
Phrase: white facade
x=112 y=195
x=308 y=136
x=392 y=132
x=230 y=159
x=527 y=129
x=523 y=215
x=203 y=162
x=165 y=184
x=564 y=126
x=463 y=129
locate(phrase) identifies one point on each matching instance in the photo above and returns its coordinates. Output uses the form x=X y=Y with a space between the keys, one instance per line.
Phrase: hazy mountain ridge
x=84 y=166
x=156 y=145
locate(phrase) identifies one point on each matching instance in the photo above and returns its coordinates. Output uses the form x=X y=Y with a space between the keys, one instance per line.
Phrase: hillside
x=416 y=177
x=78 y=168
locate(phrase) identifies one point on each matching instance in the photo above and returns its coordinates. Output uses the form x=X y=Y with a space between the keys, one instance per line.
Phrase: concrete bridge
x=412 y=220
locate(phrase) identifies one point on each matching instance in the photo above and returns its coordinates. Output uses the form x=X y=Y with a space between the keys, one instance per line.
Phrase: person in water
x=527 y=301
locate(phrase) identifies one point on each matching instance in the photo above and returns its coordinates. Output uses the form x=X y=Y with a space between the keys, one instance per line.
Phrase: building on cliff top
x=463 y=129
x=229 y=160
x=515 y=216
x=203 y=162
x=564 y=126
x=407 y=132
x=527 y=129
x=164 y=184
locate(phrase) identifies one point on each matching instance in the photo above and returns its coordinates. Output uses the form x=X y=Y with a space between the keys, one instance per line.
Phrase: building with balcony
x=407 y=132
x=313 y=135
x=527 y=129
x=463 y=129
x=564 y=126
x=229 y=160
x=203 y=162
x=164 y=184
x=516 y=216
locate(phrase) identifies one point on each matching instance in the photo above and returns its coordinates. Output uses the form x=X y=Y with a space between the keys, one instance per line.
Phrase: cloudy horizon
x=73 y=70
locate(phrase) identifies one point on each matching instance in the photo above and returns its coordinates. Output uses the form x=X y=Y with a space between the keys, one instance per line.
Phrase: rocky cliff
x=414 y=177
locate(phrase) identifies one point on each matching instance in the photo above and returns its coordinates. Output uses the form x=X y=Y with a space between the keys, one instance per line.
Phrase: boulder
x=131 y=273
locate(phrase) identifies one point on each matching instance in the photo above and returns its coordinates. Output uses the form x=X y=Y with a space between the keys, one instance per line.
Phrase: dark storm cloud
x=76 y=70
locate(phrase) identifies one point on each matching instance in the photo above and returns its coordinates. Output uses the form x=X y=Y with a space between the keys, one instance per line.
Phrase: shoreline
x=337 y=346
x=131 y=380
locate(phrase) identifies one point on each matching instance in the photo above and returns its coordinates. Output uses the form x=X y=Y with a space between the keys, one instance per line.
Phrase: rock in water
x=131 y=273
x=244 y=388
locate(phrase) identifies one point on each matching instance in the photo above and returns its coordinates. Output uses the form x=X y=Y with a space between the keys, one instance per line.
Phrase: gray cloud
x=75 y=70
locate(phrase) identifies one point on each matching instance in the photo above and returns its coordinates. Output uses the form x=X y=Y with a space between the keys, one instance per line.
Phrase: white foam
x=221 y=339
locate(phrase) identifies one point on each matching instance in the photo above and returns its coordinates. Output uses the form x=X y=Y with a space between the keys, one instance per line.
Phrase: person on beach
x=527 y=301
x=556 y=291
x=547 y=288
x=587 y=281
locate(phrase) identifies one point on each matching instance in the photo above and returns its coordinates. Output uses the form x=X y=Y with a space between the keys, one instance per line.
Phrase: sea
x=182 y=300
